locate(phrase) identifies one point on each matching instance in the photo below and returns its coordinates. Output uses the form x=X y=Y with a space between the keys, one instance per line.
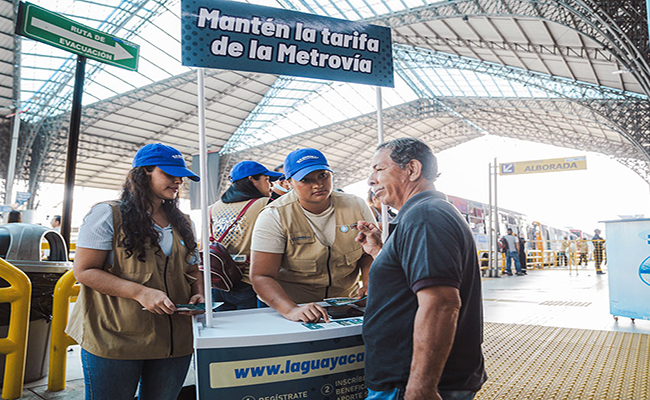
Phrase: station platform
x=548 y=335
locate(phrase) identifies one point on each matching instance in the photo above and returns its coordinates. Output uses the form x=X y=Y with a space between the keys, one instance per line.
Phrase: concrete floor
x=549 y=297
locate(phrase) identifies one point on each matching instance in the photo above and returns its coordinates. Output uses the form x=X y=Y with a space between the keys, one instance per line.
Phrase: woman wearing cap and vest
x=250 y=192
x=303 y=247
x=136 y=259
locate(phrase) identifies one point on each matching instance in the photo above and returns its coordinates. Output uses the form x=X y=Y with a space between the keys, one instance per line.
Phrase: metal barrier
x=19 y=294
x=555 y=253
x=535 y=259
x=65 y=292
x=483 y=260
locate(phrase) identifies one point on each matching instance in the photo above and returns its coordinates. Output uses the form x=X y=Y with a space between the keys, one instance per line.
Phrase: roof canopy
x=562 y=73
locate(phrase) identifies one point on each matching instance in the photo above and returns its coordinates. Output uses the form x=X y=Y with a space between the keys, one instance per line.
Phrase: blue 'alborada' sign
x=246 y=37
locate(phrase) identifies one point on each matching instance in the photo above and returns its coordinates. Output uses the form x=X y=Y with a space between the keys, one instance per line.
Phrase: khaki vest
x=238 y=239
x=311 y=271
x=118 y=328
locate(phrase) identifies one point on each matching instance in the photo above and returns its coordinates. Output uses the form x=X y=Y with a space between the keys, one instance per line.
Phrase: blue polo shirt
x=430 y=244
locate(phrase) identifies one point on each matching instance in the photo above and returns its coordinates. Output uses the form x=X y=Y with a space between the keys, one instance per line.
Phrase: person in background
x=251 y=183
x=512 y=252
x=56 y=223
x=303 y=248
x=375 y=207
x=15 y=216
x=562 y=258
x=280 y=186
x=583 y=249
x=523 y=259
x=423 y=325
x=599 y=245
x=136 y=260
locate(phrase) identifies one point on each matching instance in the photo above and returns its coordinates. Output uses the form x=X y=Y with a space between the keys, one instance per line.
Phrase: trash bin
x=20 y=245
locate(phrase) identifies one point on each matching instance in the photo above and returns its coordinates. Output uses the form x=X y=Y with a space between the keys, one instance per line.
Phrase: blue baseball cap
x=299 y=163
x=164 y=157
x=244 y=169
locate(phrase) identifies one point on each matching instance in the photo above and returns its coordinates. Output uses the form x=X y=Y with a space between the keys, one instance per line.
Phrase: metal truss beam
x=97 y=111
x=54 y=100
x=620 y=26
x=548 y=121
x=91 y=146
x=6 y=128
x=239 y=139
x=627 y=113
x=570 y=52
x=622 y=152
x=100 y=110
x=409 y=58
x=453 y=134
x=394 y=119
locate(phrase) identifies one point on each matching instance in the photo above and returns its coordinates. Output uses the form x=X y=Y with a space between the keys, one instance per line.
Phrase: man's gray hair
x=403 y=150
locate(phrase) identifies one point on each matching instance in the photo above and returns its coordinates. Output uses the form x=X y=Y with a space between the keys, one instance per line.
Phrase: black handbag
x=223 y=271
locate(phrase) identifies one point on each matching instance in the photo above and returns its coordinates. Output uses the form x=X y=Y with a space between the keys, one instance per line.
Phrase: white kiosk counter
x=259 y=355
x=628 y=267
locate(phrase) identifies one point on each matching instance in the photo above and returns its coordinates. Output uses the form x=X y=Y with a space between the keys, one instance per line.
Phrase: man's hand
x=309 y=313
x=370 y=238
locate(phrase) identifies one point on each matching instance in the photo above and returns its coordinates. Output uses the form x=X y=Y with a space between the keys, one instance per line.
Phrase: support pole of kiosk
x=203 y=190
x=495 y=242
x=380 y=140
x=491 y=256
x=73 y=147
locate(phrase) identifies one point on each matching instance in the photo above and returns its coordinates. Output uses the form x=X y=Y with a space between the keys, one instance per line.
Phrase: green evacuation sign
x=45 y=26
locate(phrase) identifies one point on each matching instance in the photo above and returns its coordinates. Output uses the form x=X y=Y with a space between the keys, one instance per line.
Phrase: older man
x=423 y=326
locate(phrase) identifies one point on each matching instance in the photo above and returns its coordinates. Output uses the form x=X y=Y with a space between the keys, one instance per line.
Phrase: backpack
x=224 y=273
x=503 y=245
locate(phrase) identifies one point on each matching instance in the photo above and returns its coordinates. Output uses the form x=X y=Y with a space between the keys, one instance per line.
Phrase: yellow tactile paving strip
x=540 y=362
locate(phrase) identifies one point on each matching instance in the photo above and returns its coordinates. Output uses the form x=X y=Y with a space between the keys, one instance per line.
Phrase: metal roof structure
x=8 y=72
x=567 y=72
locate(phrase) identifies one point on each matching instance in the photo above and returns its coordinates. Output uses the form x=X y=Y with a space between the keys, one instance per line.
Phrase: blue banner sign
x=322 y=369
x=246 y=37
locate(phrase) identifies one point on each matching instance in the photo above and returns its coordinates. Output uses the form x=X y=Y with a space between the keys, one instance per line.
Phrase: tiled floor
x=551 y=298
x=554 y=297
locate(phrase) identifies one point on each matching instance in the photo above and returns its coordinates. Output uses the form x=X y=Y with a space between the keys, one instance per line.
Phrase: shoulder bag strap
x=246 y=207
x=211 y=239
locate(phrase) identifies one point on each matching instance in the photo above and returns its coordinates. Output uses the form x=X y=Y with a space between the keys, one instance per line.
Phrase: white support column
x=380 y=140
x=203 y=190
x=491 y=256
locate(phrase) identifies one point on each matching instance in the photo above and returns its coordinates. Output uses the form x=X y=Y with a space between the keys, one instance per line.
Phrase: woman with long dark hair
x=251 y=183
x=136 y=260
x=15 y=216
